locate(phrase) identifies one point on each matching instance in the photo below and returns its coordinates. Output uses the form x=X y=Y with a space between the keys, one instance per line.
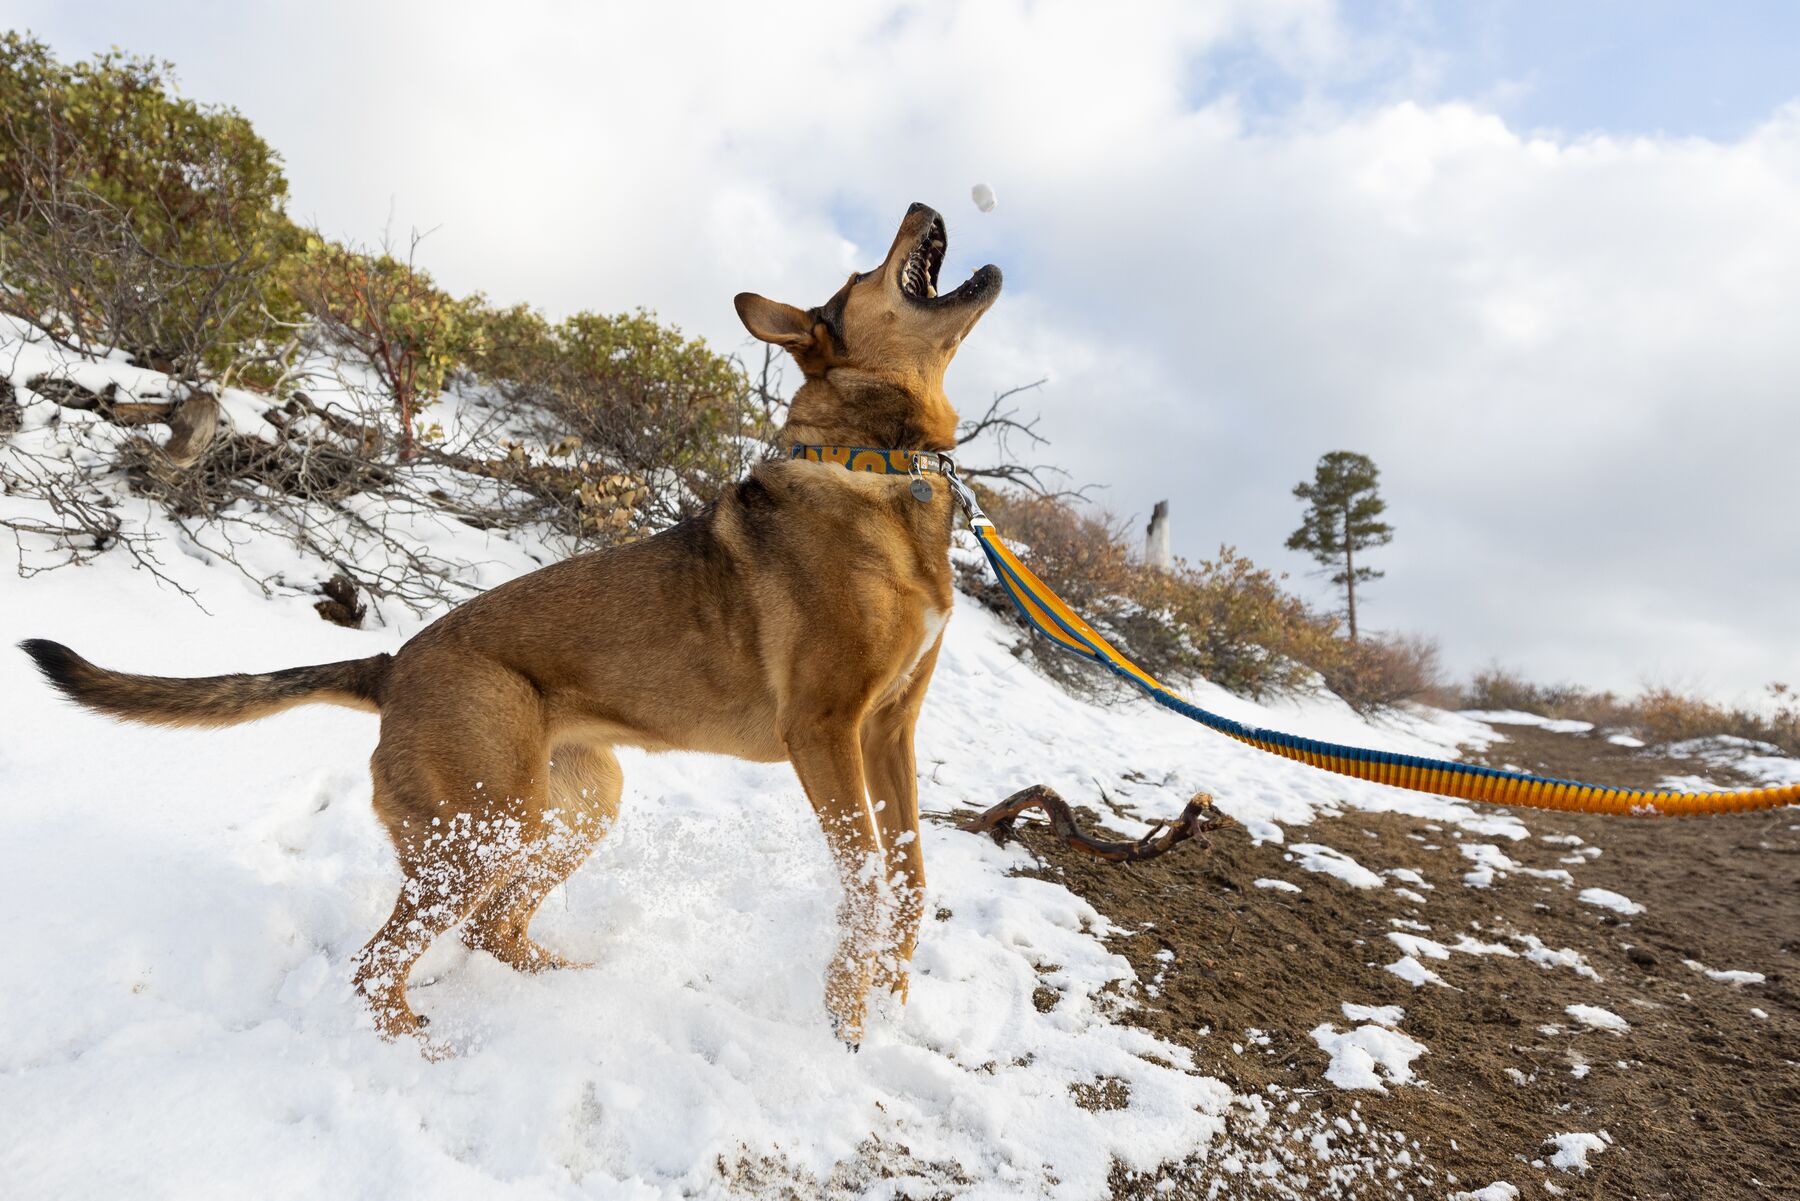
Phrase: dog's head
x=874 y=355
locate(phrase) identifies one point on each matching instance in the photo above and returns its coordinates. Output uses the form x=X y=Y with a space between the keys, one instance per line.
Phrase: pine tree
x=1343 y=518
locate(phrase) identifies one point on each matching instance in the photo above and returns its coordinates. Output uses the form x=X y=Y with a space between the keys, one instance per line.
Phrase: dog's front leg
x=887 y=743
x=828 y=760
x=892 y=773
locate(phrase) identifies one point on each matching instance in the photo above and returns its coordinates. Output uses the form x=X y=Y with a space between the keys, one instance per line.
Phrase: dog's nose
x=917 y=206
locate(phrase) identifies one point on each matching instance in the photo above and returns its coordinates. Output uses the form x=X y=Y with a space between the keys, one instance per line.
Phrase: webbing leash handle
x=1049 y=615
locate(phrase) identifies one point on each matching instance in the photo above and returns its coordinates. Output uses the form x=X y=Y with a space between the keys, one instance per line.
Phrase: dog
x=799 y=618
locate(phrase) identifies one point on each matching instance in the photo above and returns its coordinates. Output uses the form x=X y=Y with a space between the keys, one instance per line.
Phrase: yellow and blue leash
x=1047 y=613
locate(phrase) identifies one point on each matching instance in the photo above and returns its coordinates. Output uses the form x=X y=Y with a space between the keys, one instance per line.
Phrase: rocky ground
x=1541 y=1011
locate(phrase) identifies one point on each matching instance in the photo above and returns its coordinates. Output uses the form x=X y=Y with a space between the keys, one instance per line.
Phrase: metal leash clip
x=965 y=495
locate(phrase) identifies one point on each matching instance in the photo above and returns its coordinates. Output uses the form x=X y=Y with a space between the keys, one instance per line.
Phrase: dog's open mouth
x=919 y=273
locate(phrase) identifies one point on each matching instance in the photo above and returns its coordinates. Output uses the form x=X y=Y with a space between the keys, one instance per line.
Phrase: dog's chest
x=933 y=619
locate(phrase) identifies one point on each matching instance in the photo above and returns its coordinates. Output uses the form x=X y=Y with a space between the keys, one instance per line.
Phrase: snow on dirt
x=1725 y=975
x=177 y=1004
x=1381 y=1015
x=1598 y=1018
x=1413 y=972
x=1333 y=862
x=1516 y=717
x=1500 y=1190
x=1606 y=898
x=1370 y=1056
x=1492 y=863
x=1572 y=1150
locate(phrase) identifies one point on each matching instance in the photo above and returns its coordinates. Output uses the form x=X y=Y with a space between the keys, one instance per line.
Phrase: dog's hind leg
x=460 y=787
x=445 y=880
x=585 y=784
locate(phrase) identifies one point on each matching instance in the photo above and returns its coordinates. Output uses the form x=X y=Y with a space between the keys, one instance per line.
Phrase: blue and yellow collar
x=881 y=462
x=916 y=463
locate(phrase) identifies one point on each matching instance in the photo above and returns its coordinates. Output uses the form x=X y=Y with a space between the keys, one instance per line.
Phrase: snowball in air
x=983 y=196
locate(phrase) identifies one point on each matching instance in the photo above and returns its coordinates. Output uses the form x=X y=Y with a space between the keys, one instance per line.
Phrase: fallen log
x=192 y=418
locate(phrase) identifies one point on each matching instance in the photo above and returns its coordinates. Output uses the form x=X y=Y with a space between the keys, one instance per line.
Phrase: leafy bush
x=132 y=217
x=1379 y=671
x=628 y=395
x=1224 y=618
x=1241 y=630
x=391 y=316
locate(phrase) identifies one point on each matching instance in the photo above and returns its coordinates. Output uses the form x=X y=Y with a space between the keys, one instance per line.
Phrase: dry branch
x=1196 y=819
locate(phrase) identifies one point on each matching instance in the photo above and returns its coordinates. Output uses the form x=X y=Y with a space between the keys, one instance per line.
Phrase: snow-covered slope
x=183 y=908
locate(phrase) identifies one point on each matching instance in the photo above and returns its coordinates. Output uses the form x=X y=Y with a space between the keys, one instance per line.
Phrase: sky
x=1539 y=260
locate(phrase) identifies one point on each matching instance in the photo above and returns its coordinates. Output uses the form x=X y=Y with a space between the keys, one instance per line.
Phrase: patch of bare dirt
x=1700 y=1097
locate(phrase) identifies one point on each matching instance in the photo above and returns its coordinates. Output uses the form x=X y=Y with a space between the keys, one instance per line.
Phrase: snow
x=1725 y=976
x=1598 y=1018
x=178 y=1007
x=1381 y=1015
x=983 y=196
x=1492 y=863
x=1761 y=761
x=1517 y=717
x=1415 y=947
x=1500 y=1190
x=1367 y=1057
x=1548 y=958
x=1605 y=898
x=1330 y=861
x=1572 y=1150
x=1625 y=740
x=1414 y=972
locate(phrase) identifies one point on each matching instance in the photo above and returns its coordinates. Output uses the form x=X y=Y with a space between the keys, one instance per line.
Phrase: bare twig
x=1002 y=423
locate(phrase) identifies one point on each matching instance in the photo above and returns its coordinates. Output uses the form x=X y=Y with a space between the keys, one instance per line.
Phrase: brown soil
x=1591 y=759
x=1701 y=1098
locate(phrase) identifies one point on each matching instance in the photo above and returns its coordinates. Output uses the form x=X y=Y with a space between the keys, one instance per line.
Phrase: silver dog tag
x=921 y=489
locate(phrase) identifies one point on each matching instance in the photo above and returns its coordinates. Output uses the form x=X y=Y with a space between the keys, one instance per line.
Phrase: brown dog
x=797 y=619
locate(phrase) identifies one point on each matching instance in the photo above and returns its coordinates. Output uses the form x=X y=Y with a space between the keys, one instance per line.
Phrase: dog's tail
x=209 y=700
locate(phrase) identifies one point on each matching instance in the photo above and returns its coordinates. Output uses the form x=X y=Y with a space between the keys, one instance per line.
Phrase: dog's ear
x=772 y=321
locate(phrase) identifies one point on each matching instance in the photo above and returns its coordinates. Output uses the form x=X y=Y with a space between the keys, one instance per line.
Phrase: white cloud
x=1571 y=358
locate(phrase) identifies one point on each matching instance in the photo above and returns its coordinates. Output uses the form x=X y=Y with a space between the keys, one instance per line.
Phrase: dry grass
x=1657 y=714
x=1224 y=618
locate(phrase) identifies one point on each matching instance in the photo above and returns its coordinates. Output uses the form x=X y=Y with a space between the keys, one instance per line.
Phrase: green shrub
x=132 y=217
x=628 y=394
x=1243 y=630
x=391 y=316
